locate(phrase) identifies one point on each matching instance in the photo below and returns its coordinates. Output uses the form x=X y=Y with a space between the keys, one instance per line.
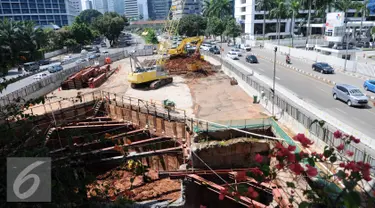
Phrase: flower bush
x=343 y=188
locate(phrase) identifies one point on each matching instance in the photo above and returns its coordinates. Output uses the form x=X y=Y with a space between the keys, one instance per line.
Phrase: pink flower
x=342 y=165
x=349 y=153
x=256 y=171
x=356 y=141
x=291 y=148
x=337 y=134
x=291 y=157
x=340 y=147
x=303 y=139
x=279 y=166
x=221 y=196
x=252 y=193
x=241 y=176
x=258 y=158
x=311 y=171
x=296 y=168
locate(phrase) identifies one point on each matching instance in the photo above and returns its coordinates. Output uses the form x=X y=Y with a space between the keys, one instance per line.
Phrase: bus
x=31 y=66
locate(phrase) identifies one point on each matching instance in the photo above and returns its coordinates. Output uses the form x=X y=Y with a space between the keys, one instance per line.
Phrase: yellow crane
x=155 y=76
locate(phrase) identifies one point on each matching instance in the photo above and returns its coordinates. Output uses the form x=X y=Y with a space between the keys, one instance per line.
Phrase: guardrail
x=325 y=134
x=62 y=75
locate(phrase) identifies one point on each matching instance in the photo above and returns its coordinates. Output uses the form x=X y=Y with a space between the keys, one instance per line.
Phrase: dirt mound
x=117 y=183
x=190 y=66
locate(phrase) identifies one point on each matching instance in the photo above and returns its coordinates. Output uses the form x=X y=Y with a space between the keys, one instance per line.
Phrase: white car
x=236 y=51
x=105 y=52
x=232 y=55
x=247 y=48
x=40 y=76
x=205 y=47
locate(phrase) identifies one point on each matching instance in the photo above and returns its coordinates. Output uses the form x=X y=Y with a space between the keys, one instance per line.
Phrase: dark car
x=103 y=44
x=44 y=62
x=251 y=59
x=323 y=68
x=214 y=50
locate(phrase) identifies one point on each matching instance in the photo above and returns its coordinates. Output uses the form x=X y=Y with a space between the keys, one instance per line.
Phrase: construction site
x=178 y=143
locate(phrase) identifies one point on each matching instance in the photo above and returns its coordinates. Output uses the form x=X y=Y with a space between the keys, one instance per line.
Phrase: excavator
x=181 y=49
x=151 y=77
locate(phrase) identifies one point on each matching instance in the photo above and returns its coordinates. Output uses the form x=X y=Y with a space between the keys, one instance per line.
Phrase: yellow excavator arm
x=180 y=50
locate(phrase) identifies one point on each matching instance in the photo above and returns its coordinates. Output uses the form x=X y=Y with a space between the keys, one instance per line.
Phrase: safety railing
x=58 y=77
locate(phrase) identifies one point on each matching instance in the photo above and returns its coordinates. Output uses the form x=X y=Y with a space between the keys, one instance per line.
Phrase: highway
x=314 y=91
x=28 y=80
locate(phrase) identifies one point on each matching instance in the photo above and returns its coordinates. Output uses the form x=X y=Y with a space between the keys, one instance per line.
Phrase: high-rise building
x=251 y=20
x=158 y=9
x=88 y=4
x=116 y=6
x=77 y=5
x=142 y=10
x=101 y=5
x=58 y=12
x=131 y=9
x=190 y=7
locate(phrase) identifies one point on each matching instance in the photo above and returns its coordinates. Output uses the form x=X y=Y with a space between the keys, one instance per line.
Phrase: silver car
x=349 y=94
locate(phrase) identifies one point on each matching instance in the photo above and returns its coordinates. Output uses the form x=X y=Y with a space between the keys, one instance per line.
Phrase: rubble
x=190 y=66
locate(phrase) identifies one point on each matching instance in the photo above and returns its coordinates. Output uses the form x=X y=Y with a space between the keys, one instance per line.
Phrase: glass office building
x=42 y=12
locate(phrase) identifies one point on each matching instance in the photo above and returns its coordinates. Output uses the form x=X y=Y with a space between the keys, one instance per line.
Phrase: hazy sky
x=83 y=5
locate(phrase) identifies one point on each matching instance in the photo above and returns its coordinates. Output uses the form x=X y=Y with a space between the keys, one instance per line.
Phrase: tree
x=89 y=16
x=264 y=5
x=293 y=8
x=151 y=38
x=217 y=8
x=232 y=29
x=81 y=32
x=192 y=25
x=279 y=12
x=215 y=27
x=110 y=25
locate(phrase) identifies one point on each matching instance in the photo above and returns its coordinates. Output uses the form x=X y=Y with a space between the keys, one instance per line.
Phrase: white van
x=31 y=66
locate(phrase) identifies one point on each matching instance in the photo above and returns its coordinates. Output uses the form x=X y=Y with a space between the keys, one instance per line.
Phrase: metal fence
x=325 y=134
x=62 y=75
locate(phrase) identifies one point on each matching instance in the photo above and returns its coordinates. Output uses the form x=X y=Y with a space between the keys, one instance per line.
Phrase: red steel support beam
x=216 y=187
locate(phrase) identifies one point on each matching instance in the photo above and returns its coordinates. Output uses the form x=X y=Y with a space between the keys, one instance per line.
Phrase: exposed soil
x=183 y=65
x=118 y=183
x=216 y=99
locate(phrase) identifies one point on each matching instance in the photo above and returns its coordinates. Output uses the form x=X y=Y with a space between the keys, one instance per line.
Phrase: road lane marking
x=341 y=111
x=277 y=78
x=261 y=69
x=323 y=90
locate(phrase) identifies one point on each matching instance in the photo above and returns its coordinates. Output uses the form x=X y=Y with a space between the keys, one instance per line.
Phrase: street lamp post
x=274 y=82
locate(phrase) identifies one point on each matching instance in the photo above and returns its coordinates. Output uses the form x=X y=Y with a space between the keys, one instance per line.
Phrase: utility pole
x=274 y=83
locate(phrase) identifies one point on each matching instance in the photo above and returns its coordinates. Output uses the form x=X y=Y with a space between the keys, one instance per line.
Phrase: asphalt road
x=28 y=80
x=315 y=92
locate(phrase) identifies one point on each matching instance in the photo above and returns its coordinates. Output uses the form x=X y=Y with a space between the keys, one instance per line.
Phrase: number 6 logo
x=22 y=177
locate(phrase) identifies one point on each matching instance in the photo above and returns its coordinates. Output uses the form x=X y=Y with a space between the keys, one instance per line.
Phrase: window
x=243 y=1
x=243 y=9
x=33 y=11
x=42 y=17
x=16 y=11
x=24 y=6
x=15 y=6
x=48 y=11
x=258 y=16
x=48 y=6
x=40 y=6
x=32 y=6
x=243 y=17
x=25 y=11
x=6 y=6
x=41 y=11
x=7 y=11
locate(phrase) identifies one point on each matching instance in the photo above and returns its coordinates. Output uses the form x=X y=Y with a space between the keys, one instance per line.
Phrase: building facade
x=88 y=4
x=58 y=12
x=158 y=9
x=190 y=7
x=77 y=5
x=251 y=20
x=100 y=5
x=117 y=6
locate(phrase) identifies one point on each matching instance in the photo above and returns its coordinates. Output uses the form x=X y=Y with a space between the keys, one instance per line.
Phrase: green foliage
x=217 y=8
x=232 y=29
x=215 y=26
x=89 y=16
x=81 y=32
x=110 y=25
x=151 y=38
x=192 y=25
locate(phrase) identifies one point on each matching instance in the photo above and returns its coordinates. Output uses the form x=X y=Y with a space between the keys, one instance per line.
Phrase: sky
x=83 y=5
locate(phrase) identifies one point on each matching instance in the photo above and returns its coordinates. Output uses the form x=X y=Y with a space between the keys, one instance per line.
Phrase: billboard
x=371 y=7
x=334 y=28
